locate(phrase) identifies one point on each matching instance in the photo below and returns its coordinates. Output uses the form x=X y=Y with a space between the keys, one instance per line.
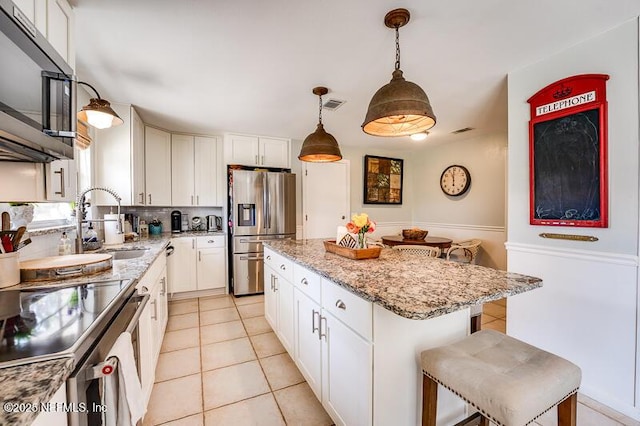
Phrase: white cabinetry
x=157 y=156
x=55 y=20
x=153 y=322
x=198 y=264
x=61 y=180
x=252 y=150
x=119 y=159
x=328 y=332
x=279 y=298
x=195 y=171
x=54 y=417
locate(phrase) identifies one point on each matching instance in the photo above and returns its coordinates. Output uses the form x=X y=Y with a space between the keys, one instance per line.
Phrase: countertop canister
x=9 y=269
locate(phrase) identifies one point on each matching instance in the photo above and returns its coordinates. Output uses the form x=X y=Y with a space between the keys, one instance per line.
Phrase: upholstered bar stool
x=510 y=383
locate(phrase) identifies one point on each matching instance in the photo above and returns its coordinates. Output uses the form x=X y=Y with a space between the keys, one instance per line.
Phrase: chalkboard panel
x=566 y=172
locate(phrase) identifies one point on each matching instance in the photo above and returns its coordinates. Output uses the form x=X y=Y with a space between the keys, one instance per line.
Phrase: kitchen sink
x=126 y=253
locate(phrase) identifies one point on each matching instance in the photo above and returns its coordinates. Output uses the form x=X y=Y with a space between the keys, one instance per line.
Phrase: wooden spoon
x=18 y=236
x=6 y=221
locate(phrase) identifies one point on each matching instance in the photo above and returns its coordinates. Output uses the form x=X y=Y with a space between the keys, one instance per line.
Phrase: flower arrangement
x=361 y=224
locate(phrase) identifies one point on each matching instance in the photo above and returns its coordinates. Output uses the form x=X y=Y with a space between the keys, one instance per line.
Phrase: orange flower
x=352 y=228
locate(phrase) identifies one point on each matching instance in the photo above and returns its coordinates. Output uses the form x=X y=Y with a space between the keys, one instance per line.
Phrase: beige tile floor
x=221 y=364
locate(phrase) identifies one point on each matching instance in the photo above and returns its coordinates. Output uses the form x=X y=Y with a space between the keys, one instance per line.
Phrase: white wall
x=587 y=308
x=480 y=212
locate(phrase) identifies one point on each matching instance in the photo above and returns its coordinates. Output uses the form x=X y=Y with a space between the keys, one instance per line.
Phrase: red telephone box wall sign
x=568 y=153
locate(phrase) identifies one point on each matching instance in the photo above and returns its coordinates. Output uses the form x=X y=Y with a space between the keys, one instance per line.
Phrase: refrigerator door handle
x=265 y=203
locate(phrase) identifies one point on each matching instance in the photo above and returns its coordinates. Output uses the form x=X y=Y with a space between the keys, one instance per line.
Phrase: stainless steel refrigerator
x=262 y=206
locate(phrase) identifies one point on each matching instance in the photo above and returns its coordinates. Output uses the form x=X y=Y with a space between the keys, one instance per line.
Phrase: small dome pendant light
x=320 y=146
x=98 y=113
x=399 y=108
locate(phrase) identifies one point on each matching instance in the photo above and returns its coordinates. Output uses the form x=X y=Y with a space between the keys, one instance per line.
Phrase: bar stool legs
x=567 y=411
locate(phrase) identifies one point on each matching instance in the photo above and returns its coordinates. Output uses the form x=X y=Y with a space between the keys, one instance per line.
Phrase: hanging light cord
x=397 y=47
x=320 y=108
x=90 y=86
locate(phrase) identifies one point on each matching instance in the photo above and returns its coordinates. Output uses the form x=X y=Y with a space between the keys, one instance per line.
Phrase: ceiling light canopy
x=98 y=113
x=399 y=108
x=320 y=146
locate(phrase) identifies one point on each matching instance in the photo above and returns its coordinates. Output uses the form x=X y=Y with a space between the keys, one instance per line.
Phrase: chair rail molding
x=588 y=255
x=484 y=228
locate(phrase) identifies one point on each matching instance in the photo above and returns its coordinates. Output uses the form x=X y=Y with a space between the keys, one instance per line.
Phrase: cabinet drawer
x=306 y=281
x=212 y=241
x=280 y=264
x=352 y=310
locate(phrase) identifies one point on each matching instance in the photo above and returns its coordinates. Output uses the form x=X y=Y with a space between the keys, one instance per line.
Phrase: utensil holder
x=9 y=269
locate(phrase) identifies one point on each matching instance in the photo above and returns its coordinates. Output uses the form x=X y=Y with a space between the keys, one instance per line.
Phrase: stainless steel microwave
x=37 y=93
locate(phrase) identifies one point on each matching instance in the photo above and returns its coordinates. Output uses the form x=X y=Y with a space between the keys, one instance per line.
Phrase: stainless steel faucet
x=80 y=213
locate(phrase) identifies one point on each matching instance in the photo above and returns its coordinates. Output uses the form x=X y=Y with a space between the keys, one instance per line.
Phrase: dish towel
x=122 y=392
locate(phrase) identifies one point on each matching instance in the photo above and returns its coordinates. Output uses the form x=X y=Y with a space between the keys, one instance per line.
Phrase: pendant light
x=98 y=113
x=399 y=108
x=320 y=146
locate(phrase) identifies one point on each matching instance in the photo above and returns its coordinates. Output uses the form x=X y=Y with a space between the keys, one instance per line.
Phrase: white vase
x=21 y=215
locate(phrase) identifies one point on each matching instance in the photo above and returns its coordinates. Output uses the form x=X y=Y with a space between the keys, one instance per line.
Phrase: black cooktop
x=46 y=323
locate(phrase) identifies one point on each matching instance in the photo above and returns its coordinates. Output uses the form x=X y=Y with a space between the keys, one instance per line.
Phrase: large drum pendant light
x=399 y=108
x=320 y=146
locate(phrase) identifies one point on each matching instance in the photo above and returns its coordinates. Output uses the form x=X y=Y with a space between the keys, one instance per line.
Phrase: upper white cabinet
x=119 y=159
x=55 y=20
x=195 y=171
x=157 y=152
x=61 y=180
x=249 y=150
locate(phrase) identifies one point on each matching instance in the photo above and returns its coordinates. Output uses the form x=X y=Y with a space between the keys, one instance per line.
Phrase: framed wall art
x=382 y=180
x=568 y=153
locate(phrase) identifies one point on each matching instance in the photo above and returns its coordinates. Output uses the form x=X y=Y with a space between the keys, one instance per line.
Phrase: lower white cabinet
x=54 y=417
x=279 y=307
x=198 y=263
x=152 y=323
x=327 y=332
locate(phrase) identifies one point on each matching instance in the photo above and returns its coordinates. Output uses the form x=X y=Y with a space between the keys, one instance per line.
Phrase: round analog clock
x=455 y=180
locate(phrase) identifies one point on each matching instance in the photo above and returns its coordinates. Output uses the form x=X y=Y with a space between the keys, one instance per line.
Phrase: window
x=46 y=215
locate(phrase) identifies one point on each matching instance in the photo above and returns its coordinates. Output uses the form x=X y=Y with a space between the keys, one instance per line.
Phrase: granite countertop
x=411 y=285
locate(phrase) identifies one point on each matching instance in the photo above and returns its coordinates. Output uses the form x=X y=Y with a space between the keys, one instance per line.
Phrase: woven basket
x=414 y=234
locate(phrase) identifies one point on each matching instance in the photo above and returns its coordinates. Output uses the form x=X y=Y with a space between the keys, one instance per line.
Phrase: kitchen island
x=356 y=328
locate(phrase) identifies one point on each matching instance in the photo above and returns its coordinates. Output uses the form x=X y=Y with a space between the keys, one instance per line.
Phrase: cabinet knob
x=304 y=281
x=284 y=268
x=268 y=257
x=340 y=305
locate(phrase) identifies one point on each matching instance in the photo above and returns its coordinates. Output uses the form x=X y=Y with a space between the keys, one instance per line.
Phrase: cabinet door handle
x=313 y=320
x=257 y=160
x=262 y=160
x=141 y=198
x=192 y=200
x=197 y=200
x=164 y=286
x=275 y=283
x=321 y=334
x=304 y=281
x=199 y=256
x=272 y=286
x=340 y=305
x=149 y=198
x=155 y=310
x=193 y=243
x=61 y=192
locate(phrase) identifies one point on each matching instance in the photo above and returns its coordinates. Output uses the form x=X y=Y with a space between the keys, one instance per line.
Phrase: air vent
x=466 y=129
x=333 y=104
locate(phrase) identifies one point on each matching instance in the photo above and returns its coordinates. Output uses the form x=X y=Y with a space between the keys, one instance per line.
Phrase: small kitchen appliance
x=176 y=222
x=214 y=223
x=185 y=222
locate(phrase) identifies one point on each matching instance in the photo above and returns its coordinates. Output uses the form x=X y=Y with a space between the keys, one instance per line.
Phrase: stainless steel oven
x=84 y=384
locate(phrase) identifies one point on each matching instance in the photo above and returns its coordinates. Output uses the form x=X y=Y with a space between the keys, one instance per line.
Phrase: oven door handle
x=142 y=304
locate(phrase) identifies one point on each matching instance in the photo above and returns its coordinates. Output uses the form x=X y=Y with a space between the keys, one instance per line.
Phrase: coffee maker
x=176 y=222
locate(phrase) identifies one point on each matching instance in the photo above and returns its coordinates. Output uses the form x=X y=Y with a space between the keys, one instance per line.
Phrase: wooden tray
x=355 y=254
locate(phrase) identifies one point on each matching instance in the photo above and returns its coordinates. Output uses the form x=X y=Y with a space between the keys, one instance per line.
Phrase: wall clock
x=455 y=180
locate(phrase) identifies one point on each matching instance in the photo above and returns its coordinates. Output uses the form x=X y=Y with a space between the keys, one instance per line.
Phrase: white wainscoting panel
x=585 y=312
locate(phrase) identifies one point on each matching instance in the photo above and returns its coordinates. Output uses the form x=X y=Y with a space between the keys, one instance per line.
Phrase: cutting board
x=67 y=266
